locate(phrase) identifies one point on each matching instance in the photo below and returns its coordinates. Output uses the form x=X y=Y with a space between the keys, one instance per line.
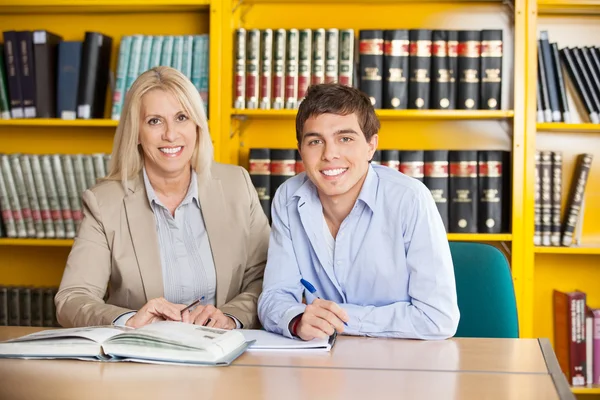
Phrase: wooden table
x=356 y=368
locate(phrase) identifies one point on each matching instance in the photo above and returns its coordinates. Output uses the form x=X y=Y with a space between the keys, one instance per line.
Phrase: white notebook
x=271 y=341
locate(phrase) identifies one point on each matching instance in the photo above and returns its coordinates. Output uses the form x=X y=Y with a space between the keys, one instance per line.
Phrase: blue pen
x=312 y=290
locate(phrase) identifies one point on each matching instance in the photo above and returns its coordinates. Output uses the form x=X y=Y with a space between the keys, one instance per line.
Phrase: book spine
x=45 y=52
x=412 y=164
x=491 y=69
x=40 y=188
x=260 y=175
x=556 y=197
x=291 y=73
x=463 y=191
x=469 y=50
x=587 y=79
x=147 y=44
x=318 y=57
x=53 y=199
x=63 y=197
x=490 y=187
x=13 y=74
x=121 y=77
x=279 y=47
x=578 y=358
x=332 y=50
x=22 y=194
x=3 y=306
x=252 y=68
x=177 y=62
x=72 y=193
x=346 y=57
x=575 y=197
x=166 y=52
x=550 y=74
x=371 y=65
x=537 y=203
x=436 y=180
x=588 y=64
x=266 y=66
x=25 y=306
x=49 y=307
x=25 y=43
x=420 y=68
x=14 y=312
x=4 y=99
x=7 y=215
x=391 y=159
x=69 y=65
x=202 y=59
x=36 y=307
x=542 y=82
x=13 y=198
x=135 y=55
x=396 y=47
x=452 y=68
x=239 y=81
x=596 y=346
x=440 y=74
x=156 y=52
x=560 y=82
x=305 y=51
x=36 y=212
x=546 y=196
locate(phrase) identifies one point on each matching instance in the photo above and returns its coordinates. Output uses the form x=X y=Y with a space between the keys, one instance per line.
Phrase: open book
x=263 y=340
x=161 y=342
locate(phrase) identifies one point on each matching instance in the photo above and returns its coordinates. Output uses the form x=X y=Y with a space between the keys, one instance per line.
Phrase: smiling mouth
x=333 y=172
x=171 y=150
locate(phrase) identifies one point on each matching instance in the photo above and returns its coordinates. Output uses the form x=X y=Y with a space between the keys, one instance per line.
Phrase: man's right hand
x=155 y=310
x=320 y=319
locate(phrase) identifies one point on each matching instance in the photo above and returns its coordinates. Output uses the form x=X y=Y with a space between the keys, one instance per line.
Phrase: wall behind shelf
x=36 y=266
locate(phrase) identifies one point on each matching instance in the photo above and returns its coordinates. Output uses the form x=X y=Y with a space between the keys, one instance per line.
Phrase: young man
x=368 y=238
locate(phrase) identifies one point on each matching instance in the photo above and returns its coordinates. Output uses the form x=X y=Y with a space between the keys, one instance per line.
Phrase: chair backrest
x=484 y=286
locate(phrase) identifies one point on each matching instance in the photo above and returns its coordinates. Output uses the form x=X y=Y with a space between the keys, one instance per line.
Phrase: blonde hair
x=127 y=158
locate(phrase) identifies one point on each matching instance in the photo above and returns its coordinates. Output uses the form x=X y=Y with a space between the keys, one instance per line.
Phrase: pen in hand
x=192 y=305
x=312 y=290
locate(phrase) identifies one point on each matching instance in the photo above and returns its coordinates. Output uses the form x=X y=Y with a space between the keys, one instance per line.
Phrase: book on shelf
x=396 y=68
x=565 y=75
x=471 y=188
x=40 y=194
x=549 y=228
x=165 y=342
x=27 y=306
x=44 y=76
x=576 y=337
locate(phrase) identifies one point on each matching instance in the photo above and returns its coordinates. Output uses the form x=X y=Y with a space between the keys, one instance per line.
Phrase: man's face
x=336 y=154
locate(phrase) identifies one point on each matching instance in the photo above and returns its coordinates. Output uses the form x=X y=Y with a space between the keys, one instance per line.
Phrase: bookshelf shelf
x=480 y=237
x=568 y=7
x=590 y=389
x=561 y=127
x=583 y=250
x=390 y=114
x=37 y=242
x=79 y=123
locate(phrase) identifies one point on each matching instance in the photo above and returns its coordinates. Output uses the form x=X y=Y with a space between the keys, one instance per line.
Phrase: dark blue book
x=69 y=62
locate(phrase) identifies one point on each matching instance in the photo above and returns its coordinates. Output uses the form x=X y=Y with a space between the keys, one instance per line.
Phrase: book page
x=97 y=334
x=272 y=341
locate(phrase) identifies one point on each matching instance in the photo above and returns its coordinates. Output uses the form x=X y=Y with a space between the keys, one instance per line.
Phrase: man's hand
x=320 y=319
x=209 y=316
x=155 y=310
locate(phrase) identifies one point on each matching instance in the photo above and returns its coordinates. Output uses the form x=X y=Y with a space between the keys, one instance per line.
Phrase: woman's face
x=167 y=134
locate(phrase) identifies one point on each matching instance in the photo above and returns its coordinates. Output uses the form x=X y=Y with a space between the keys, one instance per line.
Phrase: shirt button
x=338 y=262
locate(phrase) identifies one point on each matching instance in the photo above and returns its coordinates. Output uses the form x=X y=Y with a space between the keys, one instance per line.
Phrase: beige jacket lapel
x=142 y=228
x=216 y=220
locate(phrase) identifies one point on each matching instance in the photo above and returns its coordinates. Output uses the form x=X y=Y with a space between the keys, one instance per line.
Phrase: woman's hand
x=156 y=310
x=209 y=316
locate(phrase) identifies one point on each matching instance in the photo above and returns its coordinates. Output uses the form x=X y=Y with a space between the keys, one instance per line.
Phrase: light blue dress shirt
x=391 y=268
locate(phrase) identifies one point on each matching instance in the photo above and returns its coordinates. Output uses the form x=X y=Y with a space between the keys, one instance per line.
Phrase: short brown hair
x=334 y=98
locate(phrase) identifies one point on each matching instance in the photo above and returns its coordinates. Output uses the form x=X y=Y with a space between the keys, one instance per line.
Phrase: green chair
x=484 y=286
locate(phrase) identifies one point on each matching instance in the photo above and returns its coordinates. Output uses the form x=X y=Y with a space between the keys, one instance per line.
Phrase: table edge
x=558 y=378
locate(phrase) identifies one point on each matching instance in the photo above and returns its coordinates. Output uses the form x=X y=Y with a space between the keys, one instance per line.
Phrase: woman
x=167 y=225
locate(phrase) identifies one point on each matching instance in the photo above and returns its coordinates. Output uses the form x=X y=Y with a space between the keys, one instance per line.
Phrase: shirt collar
x=368 y=193
x=192 y=192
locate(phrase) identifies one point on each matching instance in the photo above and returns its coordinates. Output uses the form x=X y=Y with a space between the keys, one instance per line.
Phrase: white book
x=263 y=340
x=165 y=342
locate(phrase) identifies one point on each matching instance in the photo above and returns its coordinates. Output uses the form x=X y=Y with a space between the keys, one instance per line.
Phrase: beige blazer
x=114 y=265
